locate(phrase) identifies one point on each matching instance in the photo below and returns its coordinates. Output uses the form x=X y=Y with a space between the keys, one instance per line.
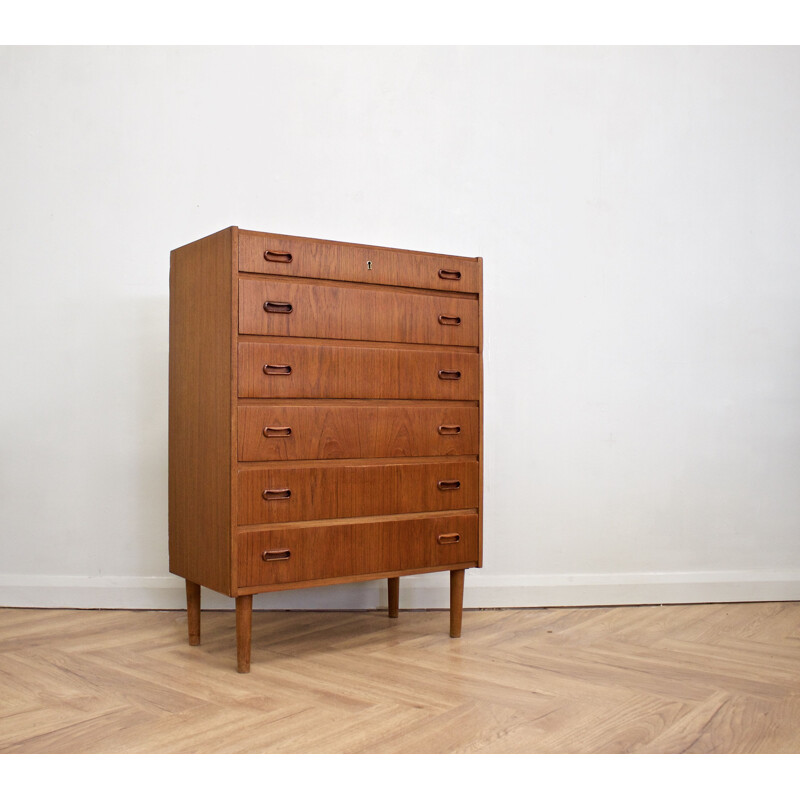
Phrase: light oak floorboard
x=652 y=679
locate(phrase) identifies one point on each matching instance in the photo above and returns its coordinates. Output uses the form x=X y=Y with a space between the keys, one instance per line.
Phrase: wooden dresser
x=325 y=418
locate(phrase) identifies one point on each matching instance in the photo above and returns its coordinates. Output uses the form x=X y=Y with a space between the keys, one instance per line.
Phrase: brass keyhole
x=369 y=265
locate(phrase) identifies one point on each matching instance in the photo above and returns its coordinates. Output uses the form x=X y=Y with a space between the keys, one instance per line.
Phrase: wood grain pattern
x=717 y=678
x=295 y=432
x=200 y=436
x=282 y=308
x=359 y=370
x=316 y=258
x=284 y=494
x=356 y=372
x=355 y=548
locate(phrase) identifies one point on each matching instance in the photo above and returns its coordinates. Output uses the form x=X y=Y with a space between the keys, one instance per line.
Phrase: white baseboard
x=482 y=590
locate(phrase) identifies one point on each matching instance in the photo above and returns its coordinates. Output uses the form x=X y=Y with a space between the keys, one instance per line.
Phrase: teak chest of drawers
x=325 y=418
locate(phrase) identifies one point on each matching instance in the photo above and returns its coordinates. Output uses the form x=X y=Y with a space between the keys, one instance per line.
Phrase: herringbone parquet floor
x=657 y=679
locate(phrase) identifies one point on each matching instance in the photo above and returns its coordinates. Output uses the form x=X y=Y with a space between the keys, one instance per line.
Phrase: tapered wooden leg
x=394 y=597
x=456 y=601
x=244 y=619
x=193 y=611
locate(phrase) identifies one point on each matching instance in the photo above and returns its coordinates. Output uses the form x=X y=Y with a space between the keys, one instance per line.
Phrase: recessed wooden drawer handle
x=276 y=494
x=276 y=555
x=448 y=538
x=277 y=255
x=449 y=375
x=277 y=369
x=445 y=485
x=444 y=320
x=449 y=275
x=449 y=430
x=272 y=307
x=274 y=433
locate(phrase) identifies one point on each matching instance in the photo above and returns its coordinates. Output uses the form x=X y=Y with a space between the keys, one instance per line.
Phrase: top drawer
x=313 y=258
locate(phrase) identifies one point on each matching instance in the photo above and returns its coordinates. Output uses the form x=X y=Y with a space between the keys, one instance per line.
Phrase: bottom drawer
x=289 y=555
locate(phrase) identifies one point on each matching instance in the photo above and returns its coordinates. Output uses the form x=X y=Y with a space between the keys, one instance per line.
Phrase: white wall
x=637 y=211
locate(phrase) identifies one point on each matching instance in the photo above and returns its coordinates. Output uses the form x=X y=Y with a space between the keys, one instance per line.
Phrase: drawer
x=312 y=258
x=290 y=494
x=296 y=370
x=290 y=555
x=293 y=432
x=281 y=308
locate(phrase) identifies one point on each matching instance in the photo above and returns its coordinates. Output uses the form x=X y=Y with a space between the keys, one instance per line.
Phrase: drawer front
x=289 y=370
x=280 y=308
x=290 y=494
x=286 y=433
x=312 y=258
x=289 y=555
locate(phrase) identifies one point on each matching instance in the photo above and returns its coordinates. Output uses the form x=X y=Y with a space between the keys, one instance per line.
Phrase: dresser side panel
x=200 y=439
